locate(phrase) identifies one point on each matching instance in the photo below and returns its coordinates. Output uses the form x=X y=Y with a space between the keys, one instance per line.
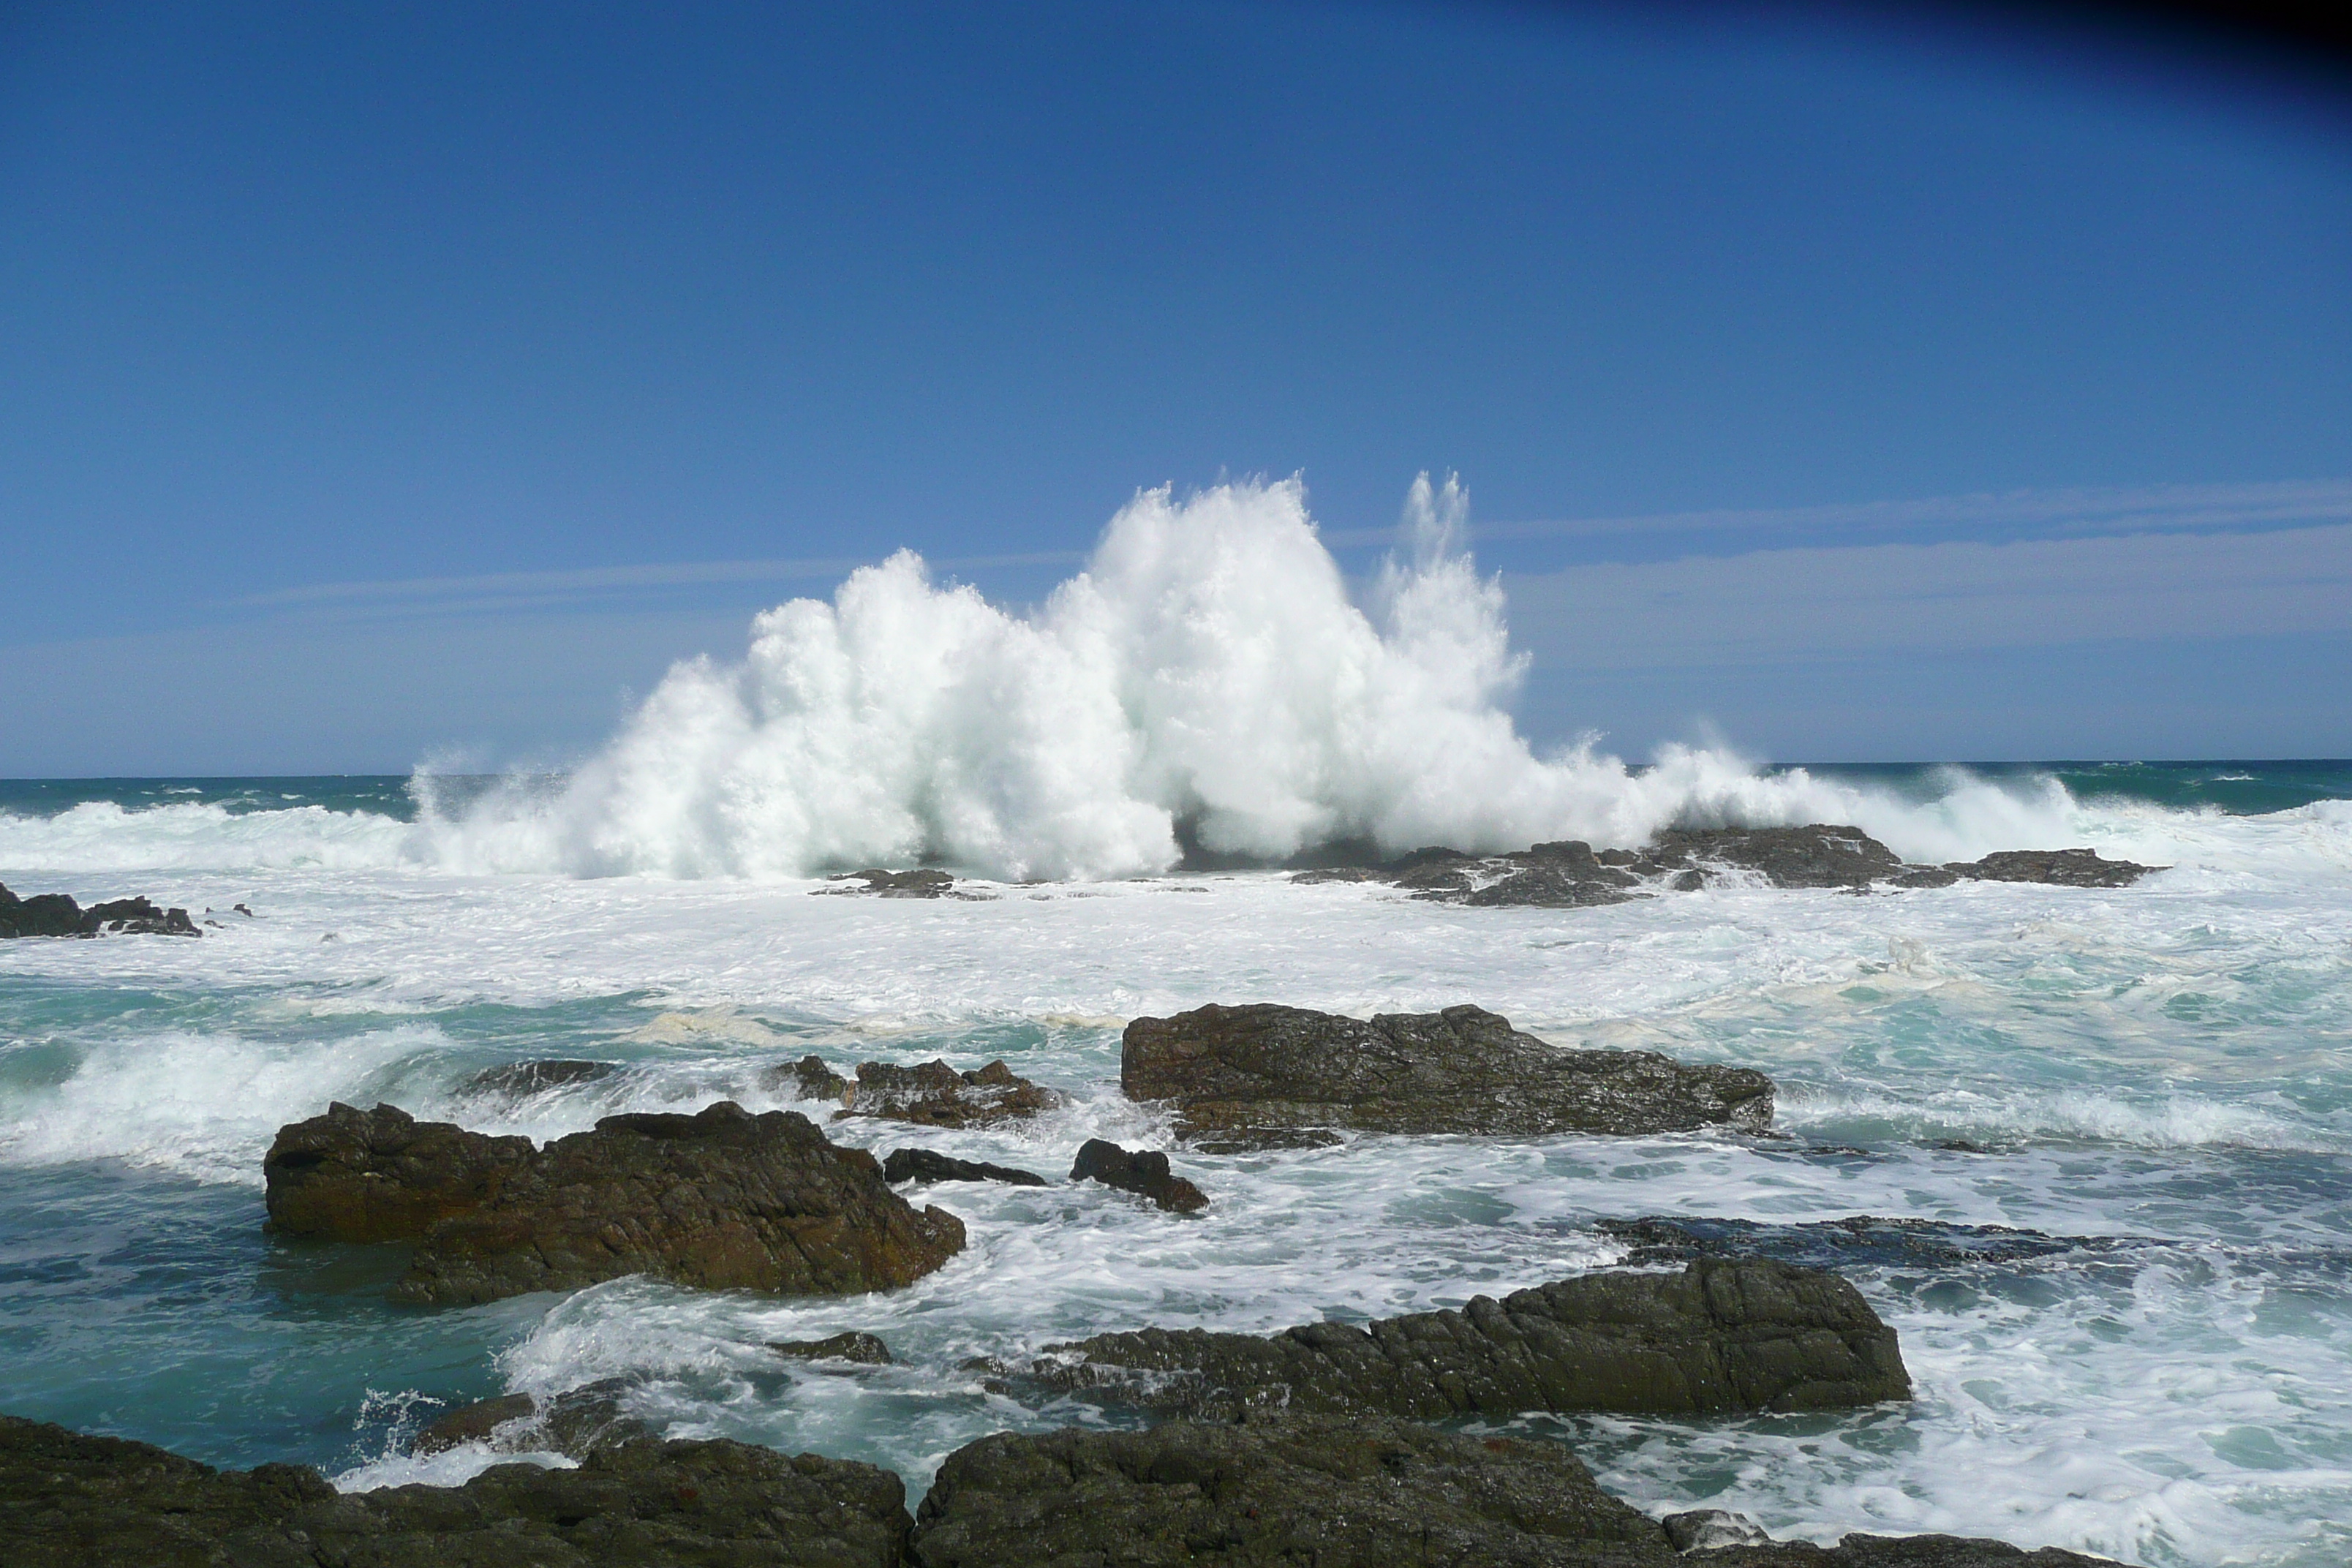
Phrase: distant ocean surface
x=2160 y=1076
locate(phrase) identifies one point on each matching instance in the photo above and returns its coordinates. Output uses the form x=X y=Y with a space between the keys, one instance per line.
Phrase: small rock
x=475 y=1423
x=934 y=1094
x=863 y=1349
x=517 y=1079
x=1145 y=1172
x=1705 y=1529
x=1263 y=1139
x=2061 y=867
x=929 y=1165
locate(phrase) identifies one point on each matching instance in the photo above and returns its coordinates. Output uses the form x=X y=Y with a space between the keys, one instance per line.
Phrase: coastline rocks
x=514 y=1081
x=68 y=1501
x=862 y=1349
x=576 y=1422
x=718 y=1199
x=930 y=1165
x=931 y=1094
x=921 y=883
x=381 y=1175
x=1723 y=1336
x=1460 y=1070
x=2060 y=868
x=54 y=914
x=1144 y=1173
x=1335 y=1492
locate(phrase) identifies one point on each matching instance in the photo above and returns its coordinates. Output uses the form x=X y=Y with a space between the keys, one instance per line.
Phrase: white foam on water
x=98 y=836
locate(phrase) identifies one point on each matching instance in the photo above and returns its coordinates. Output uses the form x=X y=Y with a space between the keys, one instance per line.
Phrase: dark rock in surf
x=808 y=1078
x=1898 y=1551
x=1705 y=1528
x=1339 y=1492
x=929 y=1165
x=1723 y=1336
x=54 y=914
x=68 y=1501
x=934 y=1094
x=2060 y=868
x=719 y=1200
x=862 y=1350
x=517 y=1079
x=381 y=1175
x=1818 y=854
x=475 y=1423
x=921 y=883
x=1857 y=1240
x=1263 y=1139
x=1460 y=1070
x=1144 y=1173
x=576 y=1422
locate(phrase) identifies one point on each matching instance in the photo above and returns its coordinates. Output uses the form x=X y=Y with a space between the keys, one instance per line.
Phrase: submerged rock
x=54 y=914
x=68 y=1501
x=718 y=1199
x=921 y=883
x=516 y=1079
x=1460 y=1070
x=2061 y=867
x=1723 y=1336
x=381 y=1175
x=930 y=1165
x=1337 y=1492
x=1144 y=1173
x=1705 y=1528
x=576 y=1422
x=863 y=1350
x=934 y=1094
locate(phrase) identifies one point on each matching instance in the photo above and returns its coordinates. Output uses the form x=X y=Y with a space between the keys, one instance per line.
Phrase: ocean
x=2150 y=1086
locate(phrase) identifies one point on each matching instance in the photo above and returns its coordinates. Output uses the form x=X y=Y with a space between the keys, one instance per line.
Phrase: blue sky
x=376 y=381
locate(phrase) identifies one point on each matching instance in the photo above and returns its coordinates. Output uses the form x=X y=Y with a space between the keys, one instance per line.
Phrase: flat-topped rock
x=55 y=914
x=931 y=1165
x=2059 y=868
x=1721 y=1337
x=1460 y=1070
x=381 y=1175
x=719 y=1200
x=68 y=1501
x=514 y=1080
x=929 y=1094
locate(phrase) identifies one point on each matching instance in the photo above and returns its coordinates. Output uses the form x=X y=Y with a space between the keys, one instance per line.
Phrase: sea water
x=2154 y=1081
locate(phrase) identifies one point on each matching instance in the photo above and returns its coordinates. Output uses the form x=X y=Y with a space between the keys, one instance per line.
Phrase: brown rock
x=936 y=1095
x=1145 y=1172
x=382 y=1174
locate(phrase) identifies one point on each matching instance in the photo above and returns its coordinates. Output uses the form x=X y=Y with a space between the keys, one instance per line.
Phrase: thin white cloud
x=1794 y=605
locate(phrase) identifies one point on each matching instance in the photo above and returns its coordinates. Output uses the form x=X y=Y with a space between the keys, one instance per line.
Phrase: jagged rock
x=578 y=1422
x=1145 y=1172
x=921 y=883
x=54 y=914
x=1857 y=1240
x=1262 y=1140
x=516 y=1079
x=718 y=1199
x=1705 y=1528
x=1551 y=888
x=68 y=1501
x=929 y=1165
x=475 y=1422
x=863 y=1349
x=1725 y=1335
x=936 y=1095
x=810 y=1078
x=380 y=1174
x=1818 y=854
x=2062 y=868
x=1462 y=1070
x=1336 y=1493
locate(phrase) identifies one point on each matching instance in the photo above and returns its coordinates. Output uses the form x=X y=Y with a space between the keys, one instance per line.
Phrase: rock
x=380 y=1174
x=936 y=1095
x=1857 y=1240
x=576 y=1422
x=1551 y=888
x=1263 y=1139
x=920 y=883
x=863 y=1349
x=808 y=1078
x=1336 y=1493
x=721 y=1200
x=927 y=1165
x=1818 y=854
x=1462 y=1070
x=517 y=1079
x=1899 y=1551
x=54 y=914
x=1705 y=1529
x=1144 y=1173
x=2061 y=867
x=475 y=1422
x=72 y=1502
x=1723 y=1336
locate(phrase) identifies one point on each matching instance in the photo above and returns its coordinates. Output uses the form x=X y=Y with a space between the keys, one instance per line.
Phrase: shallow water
x=2160 y=1074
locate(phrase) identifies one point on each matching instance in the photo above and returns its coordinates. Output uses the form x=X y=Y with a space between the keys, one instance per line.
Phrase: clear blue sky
x=375 y=380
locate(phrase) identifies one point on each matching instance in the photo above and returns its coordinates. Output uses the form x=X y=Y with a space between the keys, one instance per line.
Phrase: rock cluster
x=1570 y=874
x=1228 y=1069
x=930 y=1094
x=1723 y=1336
x=54 y=914
x=721 y=1200
x=1144 y=1173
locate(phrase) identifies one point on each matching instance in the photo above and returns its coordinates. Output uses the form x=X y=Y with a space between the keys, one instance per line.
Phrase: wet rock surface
x=577 y=1423
x=381 y=1175
x=1570 y=874
x=719 y=1200
x=514 y=1081
x=1723 y=1336
x=930 y=1165
x=863 y=1349
x=1460 y=1070
x=54 y=914
x=1856 y=1240
x=923 y=882
x=1293 y=1490
x=68 y=1501
x=929 y=1094
x=1143 y=1171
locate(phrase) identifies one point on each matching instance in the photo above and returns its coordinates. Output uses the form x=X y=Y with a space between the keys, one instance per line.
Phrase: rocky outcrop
x=381 y=1175
x=578 y=1422
x=862 y=1350
x=930 y=1094
x=1225 y=1070
x=920 y=883
x=1144 y=1173
x=1289 y=1490
x=1570 y=874
x=72 y=1502
x=930 y=1165
x=1723 y=1336
x=54 y=914
x=718 y=1199
x=516 y=1080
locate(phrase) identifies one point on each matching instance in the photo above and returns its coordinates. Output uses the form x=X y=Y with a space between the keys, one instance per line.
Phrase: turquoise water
x=2156 y=1082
